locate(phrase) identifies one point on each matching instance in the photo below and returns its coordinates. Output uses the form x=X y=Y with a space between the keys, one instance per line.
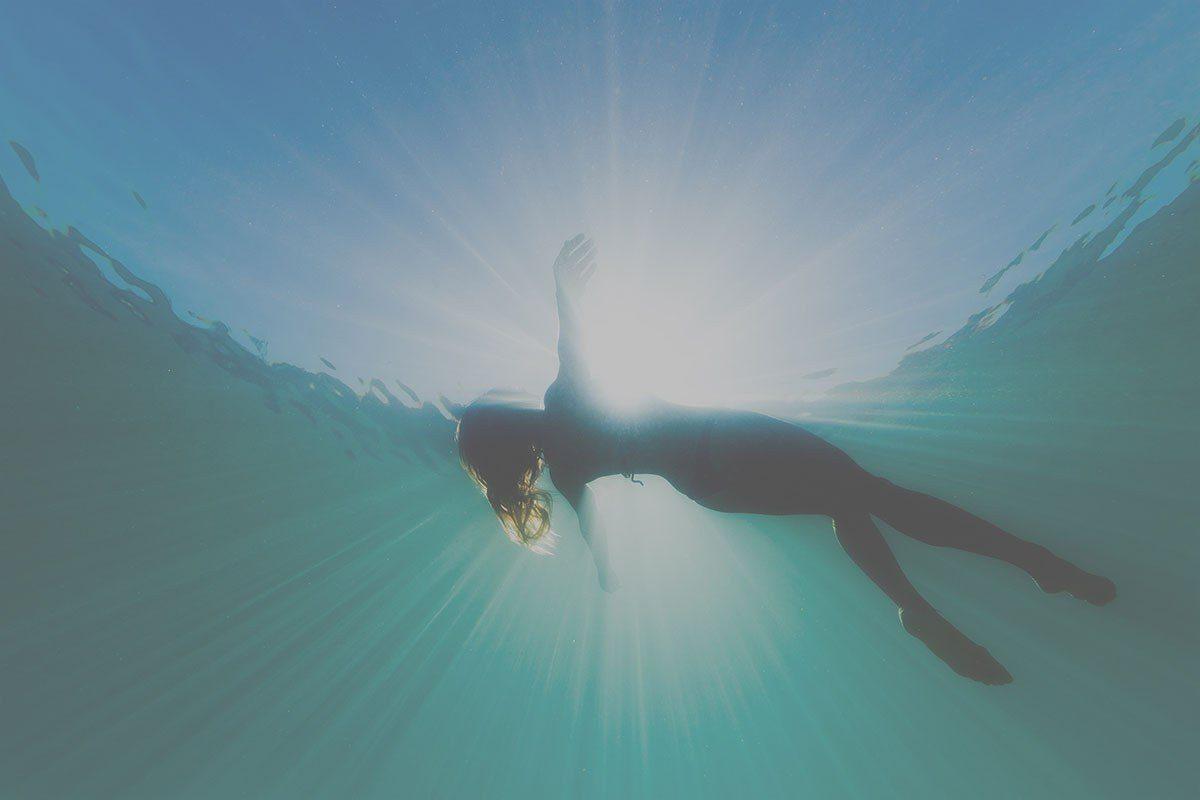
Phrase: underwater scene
x=254 y=263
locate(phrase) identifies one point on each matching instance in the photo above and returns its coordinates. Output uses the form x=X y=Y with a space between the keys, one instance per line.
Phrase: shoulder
x=554 y=393
x=560 y=401
x=568 y=391
x=562 y=389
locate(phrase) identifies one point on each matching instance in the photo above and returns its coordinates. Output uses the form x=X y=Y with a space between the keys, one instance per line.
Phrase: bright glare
x=650 y=341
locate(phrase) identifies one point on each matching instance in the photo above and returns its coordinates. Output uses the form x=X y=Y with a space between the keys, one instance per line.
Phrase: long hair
x=504 y=457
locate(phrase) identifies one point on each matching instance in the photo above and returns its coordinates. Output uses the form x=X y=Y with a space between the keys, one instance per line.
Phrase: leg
x=939 y=523
x=866 y=546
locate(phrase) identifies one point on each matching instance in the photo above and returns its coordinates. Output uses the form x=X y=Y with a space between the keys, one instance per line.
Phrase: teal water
x=228 y=578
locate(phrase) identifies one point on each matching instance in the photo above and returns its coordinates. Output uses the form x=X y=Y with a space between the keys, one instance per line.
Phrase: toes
x=1101 y=592
x=1093 y=589
x=982 y=666
x=992 y=672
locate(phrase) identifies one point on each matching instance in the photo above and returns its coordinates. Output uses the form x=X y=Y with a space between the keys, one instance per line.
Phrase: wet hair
x=505 y=459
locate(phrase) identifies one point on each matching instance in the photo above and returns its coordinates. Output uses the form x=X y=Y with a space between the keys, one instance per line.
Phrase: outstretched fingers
x=568 y=246
x=576 y=262
x=573 y=250
x=584 y=253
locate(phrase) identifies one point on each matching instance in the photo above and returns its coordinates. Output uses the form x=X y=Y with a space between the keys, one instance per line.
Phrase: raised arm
x=572 y=269
x=584 y=502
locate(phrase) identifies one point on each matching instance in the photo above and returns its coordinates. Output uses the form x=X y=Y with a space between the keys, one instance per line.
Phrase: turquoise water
x=224 y=577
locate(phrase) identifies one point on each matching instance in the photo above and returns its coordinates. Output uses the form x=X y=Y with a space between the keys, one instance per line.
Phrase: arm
x=572 y=269
x=584 y=502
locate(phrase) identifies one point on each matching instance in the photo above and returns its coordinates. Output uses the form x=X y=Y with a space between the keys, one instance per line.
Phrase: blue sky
x=776 y=189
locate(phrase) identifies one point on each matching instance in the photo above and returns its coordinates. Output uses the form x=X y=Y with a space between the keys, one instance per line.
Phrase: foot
x=1057 y=576
x=953 y=647
x=609 y=582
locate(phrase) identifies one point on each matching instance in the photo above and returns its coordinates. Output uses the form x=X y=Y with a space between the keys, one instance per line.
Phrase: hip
x=745 y=462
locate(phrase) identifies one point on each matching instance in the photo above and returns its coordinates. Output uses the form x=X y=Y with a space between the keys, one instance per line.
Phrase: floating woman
x=732 y=461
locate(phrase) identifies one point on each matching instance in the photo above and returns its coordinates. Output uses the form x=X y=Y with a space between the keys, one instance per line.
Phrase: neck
x=530 y=422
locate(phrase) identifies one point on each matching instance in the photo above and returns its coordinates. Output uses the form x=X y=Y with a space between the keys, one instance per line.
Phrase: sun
x=641 y=343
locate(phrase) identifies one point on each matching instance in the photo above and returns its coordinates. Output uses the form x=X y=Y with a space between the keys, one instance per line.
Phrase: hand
x=574 y=266
x=609 y=582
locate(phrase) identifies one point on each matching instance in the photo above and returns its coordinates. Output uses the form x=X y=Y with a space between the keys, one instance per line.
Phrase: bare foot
x=1057 y=576
x=950 y=645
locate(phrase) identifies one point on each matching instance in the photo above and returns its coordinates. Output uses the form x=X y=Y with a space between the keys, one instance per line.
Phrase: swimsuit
x=703 y=480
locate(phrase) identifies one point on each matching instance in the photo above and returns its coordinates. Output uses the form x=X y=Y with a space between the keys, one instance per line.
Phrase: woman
x=732 y=461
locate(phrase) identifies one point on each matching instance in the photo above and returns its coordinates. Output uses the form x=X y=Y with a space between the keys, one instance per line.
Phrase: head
x=499 y=443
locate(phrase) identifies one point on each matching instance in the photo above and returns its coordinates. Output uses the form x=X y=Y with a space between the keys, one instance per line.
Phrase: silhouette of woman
x=732 y=461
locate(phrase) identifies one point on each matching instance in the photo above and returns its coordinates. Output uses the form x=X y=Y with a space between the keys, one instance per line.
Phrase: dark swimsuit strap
x=623 y=447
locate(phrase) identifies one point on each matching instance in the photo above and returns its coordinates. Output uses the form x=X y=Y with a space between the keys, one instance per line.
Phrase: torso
x=587 y=439
x=734 y=461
